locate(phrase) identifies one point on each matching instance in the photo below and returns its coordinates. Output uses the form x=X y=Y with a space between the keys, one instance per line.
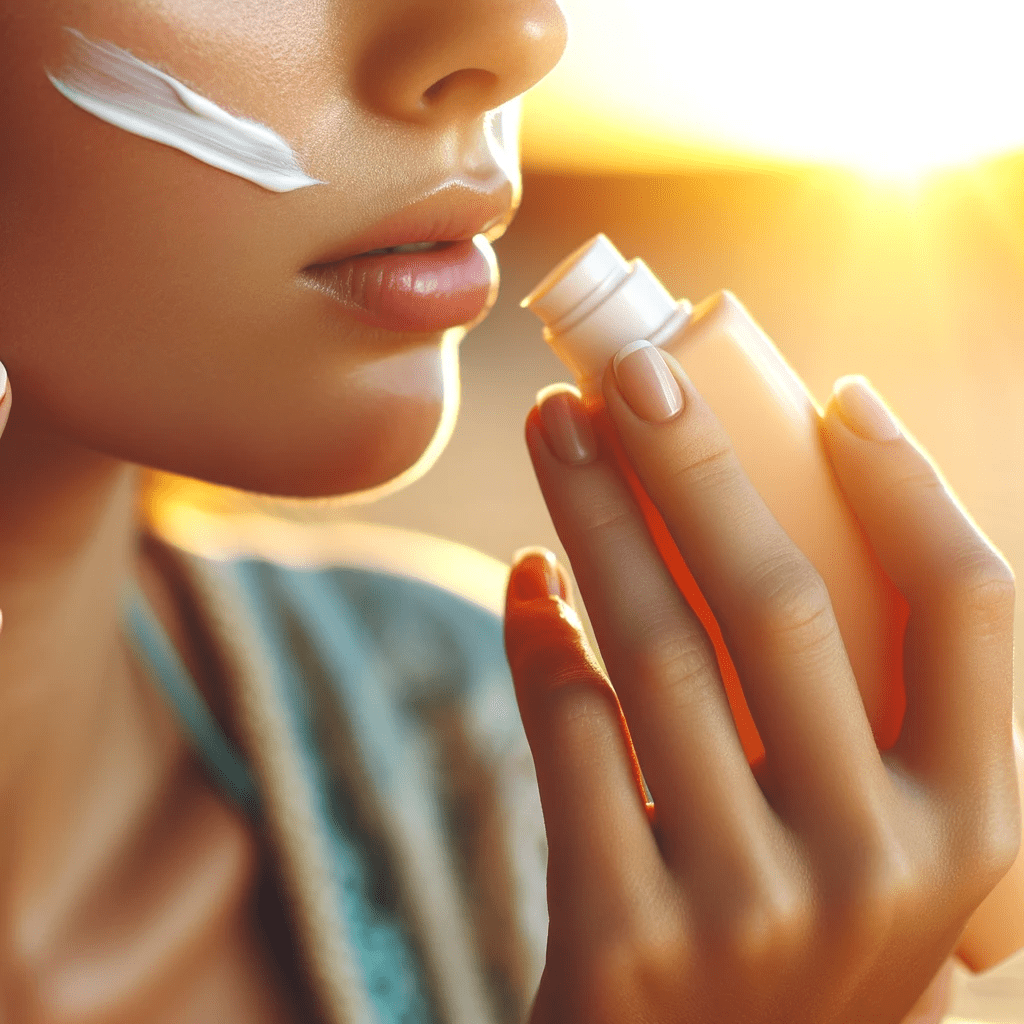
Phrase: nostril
x=475 y=80
x=434 y=92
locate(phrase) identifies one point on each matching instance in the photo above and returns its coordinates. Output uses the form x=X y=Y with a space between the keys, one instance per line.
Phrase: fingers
x=772 y=605
x=869 y=900
x=590 y=785
x=958 y=652
x=658 y=655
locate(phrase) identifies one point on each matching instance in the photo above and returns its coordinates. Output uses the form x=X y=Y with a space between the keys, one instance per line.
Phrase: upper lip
x=452 y=213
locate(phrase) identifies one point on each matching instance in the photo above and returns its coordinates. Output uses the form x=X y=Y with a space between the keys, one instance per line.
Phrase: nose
x=443 y=60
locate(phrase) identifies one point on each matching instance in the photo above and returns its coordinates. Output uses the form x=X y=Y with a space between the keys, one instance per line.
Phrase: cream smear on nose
x=122 y=90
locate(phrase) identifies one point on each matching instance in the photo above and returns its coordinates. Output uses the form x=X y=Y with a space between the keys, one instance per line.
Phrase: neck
x=67 y=527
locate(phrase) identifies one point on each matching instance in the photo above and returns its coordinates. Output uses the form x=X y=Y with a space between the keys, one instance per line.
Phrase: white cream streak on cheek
x=123 y=91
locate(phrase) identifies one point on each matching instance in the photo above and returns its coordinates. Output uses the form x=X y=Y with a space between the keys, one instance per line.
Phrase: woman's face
x=163 y=311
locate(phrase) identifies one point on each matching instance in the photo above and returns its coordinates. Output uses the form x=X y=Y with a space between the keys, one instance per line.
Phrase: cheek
x=327 y=428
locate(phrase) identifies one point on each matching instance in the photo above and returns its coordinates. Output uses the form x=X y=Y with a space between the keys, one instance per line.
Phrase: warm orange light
x=896 y=88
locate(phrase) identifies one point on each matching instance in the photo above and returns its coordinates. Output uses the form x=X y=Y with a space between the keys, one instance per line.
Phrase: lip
x=451 y=213
x=425 y=291
x=421 y=292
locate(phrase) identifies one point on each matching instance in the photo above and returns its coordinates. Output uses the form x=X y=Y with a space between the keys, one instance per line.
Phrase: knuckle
x=990 y=841
x=671 y=659
x=608 y=523
x=794 y=605
x=611 y=525
x=609 y=517
x=767 y=929
x=920 y=476
x=545 y=652
x=707 y=467
x=984 y=589
x=1002 y=848
x=880 y=884
x=993 y=861
x=645 y=967
x=579 y=705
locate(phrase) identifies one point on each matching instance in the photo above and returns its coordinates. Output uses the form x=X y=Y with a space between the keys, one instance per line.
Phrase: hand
x=830 y=886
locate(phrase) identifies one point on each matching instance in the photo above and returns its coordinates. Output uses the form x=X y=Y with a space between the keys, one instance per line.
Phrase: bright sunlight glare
x=893 y=88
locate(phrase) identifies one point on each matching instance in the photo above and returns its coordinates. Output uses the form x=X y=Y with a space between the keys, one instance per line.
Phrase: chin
x=402 y=433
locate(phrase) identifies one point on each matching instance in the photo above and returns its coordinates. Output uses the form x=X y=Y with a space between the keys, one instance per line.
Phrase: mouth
x=408 y=247
x=421 y=287
x=428 y=268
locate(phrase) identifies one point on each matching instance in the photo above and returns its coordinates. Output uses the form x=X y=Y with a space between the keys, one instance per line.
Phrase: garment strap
x=149 y=641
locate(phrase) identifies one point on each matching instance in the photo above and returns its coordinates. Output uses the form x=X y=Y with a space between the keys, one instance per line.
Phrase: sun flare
x=894 y=88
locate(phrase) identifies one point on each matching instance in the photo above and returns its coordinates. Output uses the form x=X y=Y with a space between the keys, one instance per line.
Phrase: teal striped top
x=384 y=751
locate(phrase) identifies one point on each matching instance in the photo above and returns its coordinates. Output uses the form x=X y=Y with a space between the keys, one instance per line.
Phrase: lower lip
x=413 y=291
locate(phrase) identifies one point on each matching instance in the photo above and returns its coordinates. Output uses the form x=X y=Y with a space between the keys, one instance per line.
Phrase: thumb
x=959 y=641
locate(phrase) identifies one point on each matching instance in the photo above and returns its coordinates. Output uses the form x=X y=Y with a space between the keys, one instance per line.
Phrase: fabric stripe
x=291 y=802
x=402 y=795
x=216 y=751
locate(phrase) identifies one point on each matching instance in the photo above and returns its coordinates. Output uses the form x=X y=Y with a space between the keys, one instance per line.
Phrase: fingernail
x=535 y=574
x=647 y=383
x=3 y=381
x=567 y=427
x=863 y=411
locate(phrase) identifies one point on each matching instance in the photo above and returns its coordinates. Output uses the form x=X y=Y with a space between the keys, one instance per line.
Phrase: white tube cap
x=596 y=267
x=594 y=302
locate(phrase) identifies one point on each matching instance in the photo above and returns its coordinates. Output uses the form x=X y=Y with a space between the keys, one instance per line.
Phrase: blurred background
x=853 y=172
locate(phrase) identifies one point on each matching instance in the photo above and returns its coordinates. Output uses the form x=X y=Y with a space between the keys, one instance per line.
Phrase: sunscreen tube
x=592 y=304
